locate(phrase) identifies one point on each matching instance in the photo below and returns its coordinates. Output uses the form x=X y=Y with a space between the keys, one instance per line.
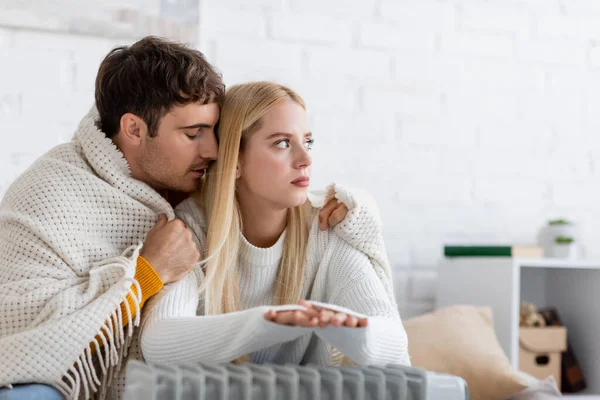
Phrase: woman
x=265 y=247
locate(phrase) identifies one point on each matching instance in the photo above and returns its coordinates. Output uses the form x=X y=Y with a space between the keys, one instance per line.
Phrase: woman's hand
x=305 y=319
x=332 y=214
x=335 y=318
x=314 y=316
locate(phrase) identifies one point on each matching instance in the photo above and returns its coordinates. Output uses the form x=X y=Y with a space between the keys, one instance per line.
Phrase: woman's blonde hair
x=241 y=115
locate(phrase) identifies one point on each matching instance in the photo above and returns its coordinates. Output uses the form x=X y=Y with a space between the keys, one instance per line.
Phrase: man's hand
x=332 y=214
x=314 y=316
x=170 y=250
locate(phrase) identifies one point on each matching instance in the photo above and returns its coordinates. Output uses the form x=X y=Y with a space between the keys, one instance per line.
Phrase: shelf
x=571 y=286
x=557 y=263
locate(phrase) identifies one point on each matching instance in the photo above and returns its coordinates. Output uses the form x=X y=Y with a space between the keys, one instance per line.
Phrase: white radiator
x=288 y=382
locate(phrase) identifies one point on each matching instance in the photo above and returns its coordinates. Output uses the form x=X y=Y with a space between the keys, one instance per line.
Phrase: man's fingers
x=363 y=322
x=178 y=223
x=326 y=212
x=162 y=220
x=338 y=215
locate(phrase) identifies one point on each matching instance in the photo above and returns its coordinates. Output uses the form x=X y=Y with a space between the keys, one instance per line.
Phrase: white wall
x=467 y=120
x=46 y=86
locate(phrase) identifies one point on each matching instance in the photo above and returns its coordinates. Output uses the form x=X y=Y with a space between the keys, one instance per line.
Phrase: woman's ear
x=238 y=171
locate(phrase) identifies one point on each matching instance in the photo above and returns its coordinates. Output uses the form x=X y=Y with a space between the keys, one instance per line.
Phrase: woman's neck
x=262 y=226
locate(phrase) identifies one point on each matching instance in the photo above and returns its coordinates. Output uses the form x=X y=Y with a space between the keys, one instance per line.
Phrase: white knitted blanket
x=70 y=231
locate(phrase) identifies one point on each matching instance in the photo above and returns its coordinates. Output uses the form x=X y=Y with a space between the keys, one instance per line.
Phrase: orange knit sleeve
x=150 y=284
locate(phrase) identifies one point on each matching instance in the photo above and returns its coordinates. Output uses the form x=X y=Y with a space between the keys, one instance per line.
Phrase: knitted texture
x=337 y=274
x=362 y=229
x=71 y=228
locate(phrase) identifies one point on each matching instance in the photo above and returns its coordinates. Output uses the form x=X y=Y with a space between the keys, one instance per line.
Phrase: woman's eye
x=309 y=144
x=283 y=144
x=192 y=137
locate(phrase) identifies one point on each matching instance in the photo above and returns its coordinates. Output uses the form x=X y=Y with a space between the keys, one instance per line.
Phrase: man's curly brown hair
x=148 y=78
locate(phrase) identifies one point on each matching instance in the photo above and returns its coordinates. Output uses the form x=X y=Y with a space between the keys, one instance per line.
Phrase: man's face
x=185 y=144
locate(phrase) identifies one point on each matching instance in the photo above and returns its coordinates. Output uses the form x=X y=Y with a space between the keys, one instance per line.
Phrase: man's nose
x=208 y=149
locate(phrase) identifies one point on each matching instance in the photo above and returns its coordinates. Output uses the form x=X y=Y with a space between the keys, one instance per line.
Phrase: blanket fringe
x=83 y=378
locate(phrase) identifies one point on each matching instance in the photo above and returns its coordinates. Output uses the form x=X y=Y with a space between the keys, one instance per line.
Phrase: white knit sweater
x=337 y=273
x=70 y=230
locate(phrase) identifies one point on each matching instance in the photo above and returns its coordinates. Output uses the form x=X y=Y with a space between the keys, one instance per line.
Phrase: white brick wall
x=466 y=120
x=46 y=85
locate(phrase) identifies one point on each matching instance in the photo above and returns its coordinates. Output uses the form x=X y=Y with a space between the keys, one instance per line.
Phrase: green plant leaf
x=559 y=222
x=564 y=240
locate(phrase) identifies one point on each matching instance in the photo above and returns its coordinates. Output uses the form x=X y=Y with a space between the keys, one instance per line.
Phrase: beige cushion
x=461 y=341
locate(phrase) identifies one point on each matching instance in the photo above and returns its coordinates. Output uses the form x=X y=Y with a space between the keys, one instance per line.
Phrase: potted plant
x=554 y=228
x=564 y=247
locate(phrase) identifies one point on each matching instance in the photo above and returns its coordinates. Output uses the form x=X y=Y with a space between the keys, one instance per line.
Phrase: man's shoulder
x=64 y=155
x=49 y=178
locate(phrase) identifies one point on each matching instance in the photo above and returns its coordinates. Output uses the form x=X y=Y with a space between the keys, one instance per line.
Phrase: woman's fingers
x=301 y=318
x=292 y=318
x=311 y=310
x=315 y=316
x=270 y=315
x=351 y=321
x=325 y=316
x=289 y=318
x=339 y=319
x=305 y=303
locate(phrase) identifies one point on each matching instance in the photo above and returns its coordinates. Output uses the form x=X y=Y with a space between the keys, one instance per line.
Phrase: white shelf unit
x=572 y=286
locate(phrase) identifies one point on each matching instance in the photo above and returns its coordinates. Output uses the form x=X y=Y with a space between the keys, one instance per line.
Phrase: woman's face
x=274 y=167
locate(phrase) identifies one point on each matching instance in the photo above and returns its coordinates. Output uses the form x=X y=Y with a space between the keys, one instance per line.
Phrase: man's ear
x=133 y=128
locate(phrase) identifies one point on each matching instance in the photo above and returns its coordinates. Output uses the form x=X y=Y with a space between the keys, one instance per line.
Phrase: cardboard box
x=540 y=351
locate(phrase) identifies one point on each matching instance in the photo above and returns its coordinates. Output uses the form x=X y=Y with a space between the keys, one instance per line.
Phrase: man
x=80 y=246
x=87 y=233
